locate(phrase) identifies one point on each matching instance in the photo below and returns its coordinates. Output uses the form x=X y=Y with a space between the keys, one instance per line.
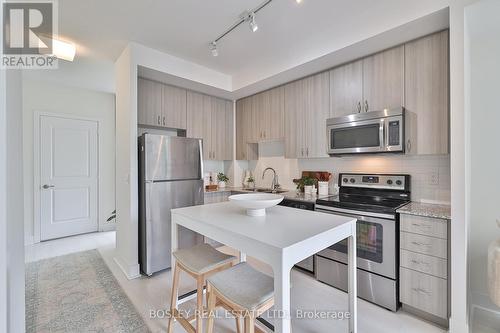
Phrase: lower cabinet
x=424 y=268
x=424 y=292
x=215 y=197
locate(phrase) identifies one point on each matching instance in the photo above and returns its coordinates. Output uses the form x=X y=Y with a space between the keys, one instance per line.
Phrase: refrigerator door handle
x=201 y=158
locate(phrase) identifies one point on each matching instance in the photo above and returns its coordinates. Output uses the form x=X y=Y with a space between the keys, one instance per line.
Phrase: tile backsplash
x=430 y=174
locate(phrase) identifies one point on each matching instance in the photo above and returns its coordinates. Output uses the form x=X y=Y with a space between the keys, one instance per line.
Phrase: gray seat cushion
x=244 y=286
x=202 y=258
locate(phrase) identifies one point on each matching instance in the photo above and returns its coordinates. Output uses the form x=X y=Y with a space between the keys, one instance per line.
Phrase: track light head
x=213 y=48
x=253 y=24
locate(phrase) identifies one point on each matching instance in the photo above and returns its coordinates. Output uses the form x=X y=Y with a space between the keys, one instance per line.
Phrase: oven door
x=366 y=136
x=376 y=245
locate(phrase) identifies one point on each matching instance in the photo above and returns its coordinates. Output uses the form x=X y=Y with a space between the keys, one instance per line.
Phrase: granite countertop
x=301 y=196
x=292 y=195
x=426 y=210
x=221 y=190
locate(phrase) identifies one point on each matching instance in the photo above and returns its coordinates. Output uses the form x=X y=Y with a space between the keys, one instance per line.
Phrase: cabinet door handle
x=366 y=106
x=359 y=107
x=159 y=120
x=421 y=291
x=302 y=152
x=265 y=135
x=307 y=151
x=163 y=120
x=408 y=145
x=423 y=226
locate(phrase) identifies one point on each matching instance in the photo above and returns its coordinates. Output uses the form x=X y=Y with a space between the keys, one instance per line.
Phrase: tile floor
x=151 y=295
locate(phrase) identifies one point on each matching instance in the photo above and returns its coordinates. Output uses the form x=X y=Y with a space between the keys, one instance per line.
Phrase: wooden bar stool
x=244 y=290
x=200 y=262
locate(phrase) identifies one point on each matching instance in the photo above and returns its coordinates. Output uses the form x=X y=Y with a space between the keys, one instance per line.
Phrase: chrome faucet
x=275 y=184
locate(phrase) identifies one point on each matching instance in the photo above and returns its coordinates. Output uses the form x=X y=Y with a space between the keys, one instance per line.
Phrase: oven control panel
x=393 y=182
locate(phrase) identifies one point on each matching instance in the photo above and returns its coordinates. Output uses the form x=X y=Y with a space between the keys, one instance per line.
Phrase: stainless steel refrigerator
x=170 y=176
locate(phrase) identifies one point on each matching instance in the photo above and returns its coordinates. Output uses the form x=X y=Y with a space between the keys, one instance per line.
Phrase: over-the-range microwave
x=368 y=132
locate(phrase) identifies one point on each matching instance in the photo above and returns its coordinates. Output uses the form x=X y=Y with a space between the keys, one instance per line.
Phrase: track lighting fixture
x=213 y=48
x=251 y=20
x=246 y=16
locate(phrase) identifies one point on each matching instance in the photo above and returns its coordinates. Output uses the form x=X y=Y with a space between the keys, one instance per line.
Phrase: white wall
x=3 y=205
x=421 y=168
x=483 y=27
x=11 y=204
x=46 y=96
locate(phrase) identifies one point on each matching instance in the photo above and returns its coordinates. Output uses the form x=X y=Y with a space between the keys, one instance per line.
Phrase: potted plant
x=308 y=185
x=222 y=179
x=305 y=184
x=251 y=182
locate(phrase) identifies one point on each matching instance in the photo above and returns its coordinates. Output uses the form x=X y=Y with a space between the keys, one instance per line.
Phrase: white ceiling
x=289 y=34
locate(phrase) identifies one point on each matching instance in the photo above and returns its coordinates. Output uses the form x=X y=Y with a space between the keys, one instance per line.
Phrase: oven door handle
x=364 y=216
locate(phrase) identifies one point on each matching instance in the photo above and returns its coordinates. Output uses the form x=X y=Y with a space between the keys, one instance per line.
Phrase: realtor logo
x=28 y=30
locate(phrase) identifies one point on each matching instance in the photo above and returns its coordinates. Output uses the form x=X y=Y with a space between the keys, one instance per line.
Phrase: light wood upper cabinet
x=426 y=94
x=173 y=107
x=268 y=109
x=245 y=146
x=222 y=129
x=383 y=80
x=259 y=118
x=346 y=89
x=211 y=119
x=149 y=102
x=307 y=106
x=294 y=118
x=160 y=105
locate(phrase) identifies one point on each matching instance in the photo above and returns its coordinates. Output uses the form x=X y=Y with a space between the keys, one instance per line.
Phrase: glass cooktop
x=377 y=204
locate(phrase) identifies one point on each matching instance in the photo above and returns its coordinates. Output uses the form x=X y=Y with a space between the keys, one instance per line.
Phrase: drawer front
x=424 y=292
x=423 y=244
x=424 y=263
x=424 y=226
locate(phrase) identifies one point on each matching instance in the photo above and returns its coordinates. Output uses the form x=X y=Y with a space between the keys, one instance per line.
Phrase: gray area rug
x=77 y=293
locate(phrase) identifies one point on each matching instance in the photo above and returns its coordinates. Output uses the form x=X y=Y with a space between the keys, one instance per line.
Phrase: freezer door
x=155 y=224
x=172 y=158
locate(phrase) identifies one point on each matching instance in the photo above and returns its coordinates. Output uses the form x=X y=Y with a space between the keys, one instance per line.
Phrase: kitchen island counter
x=281 y=238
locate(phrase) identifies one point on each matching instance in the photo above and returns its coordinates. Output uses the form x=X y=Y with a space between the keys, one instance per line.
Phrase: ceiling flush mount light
x=213 y=48
x=63 y=50
x=298 y=1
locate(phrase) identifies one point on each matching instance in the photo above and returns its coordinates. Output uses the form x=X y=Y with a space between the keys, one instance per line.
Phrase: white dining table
x=281 y=239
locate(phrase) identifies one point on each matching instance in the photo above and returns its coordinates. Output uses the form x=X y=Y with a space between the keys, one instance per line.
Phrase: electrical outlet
x=434 y=178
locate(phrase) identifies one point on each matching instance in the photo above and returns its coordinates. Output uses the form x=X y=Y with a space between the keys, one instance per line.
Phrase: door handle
x=163 y=120
x=46 y=187
x=159 y=120
x=359 y=107
x=366 y=106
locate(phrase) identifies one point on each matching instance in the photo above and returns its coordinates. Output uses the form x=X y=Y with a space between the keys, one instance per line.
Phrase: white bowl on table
x=256 y=203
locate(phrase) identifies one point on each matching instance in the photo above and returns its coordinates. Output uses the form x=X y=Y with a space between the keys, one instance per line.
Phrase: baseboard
x=130 y=271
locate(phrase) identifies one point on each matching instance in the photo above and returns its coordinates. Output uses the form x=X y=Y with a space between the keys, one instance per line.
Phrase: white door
x=68 y=177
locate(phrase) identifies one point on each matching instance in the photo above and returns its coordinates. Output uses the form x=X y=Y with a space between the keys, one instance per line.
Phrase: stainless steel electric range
x=373 y=199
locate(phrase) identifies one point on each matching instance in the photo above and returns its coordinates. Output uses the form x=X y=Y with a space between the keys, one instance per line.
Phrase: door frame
x=37 y=209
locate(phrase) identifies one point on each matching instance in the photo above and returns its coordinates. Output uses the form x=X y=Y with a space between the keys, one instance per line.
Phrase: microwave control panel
x=394 y=135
